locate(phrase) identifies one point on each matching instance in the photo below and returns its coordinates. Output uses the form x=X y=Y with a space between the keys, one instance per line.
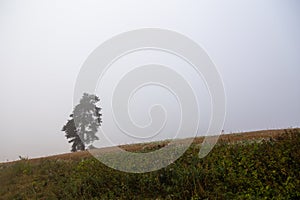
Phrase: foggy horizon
x=254 y=45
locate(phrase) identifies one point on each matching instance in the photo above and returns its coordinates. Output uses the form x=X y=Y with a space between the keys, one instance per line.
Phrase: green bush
x=268 y=169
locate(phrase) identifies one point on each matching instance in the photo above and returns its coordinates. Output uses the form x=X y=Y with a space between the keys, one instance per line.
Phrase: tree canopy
x=81 y=128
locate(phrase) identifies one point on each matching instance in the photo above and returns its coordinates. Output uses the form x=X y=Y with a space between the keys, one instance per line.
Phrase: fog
x=254 y=44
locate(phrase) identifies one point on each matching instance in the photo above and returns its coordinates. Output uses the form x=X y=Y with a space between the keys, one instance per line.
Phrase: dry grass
x=230 y=138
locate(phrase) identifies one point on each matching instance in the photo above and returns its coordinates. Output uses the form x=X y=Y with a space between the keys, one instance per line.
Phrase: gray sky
x=43 y=44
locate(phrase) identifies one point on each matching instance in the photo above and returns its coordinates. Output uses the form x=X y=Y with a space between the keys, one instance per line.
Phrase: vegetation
x=81 y=129
x=251 y=169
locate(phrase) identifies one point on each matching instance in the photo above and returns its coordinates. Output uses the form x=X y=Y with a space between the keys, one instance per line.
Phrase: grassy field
x=254 y=165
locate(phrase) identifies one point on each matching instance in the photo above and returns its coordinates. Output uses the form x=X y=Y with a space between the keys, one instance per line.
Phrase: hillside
x=253 y=165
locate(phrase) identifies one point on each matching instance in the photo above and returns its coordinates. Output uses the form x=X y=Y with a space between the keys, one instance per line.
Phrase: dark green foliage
x=268 y=169
x=71 y=134
x=81 y=129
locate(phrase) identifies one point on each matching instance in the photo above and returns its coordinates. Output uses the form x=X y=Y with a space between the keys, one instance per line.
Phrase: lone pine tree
x=84 y=122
